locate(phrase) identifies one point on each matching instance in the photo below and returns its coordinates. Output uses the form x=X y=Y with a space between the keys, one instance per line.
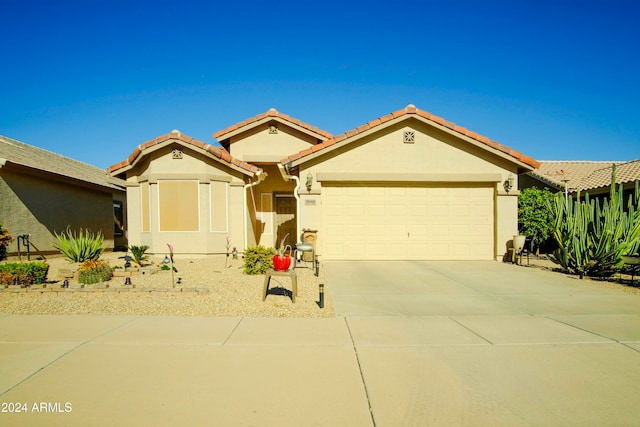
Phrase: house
x=558 y=175
x=582 y=177
x=43 y=193
x=408 y=185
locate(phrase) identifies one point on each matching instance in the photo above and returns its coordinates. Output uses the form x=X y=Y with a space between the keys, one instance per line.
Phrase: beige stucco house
x=42 y=193
x=409 y=185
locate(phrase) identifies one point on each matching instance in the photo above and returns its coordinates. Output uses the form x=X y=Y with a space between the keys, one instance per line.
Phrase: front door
x=285 y=220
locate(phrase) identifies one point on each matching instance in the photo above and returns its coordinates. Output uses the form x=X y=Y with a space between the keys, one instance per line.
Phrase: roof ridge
x=272 y=112
x=412 y=109
x=51 y=152
x=32 y=156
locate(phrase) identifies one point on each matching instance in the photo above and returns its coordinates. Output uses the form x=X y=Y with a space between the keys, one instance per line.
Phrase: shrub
x=5 y=240
x=258 y=259
x=80 y=246
x=535 y=215
x=138 y=253
x=94 y=271
x=27 y=273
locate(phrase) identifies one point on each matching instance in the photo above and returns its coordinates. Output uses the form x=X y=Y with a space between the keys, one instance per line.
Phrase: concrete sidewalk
x=512 y=355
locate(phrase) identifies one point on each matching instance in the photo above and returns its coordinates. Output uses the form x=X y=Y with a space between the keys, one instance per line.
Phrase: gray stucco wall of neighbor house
x=39 y=207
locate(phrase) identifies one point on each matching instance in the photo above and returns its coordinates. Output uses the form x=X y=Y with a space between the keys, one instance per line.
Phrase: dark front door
x=285 y=220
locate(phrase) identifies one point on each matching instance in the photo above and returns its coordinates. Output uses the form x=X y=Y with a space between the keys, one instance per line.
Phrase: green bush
x=258 y=259
x=27 y=273
x=80 y=246
x=94 y=271
x=138 y=253
x=535 y=215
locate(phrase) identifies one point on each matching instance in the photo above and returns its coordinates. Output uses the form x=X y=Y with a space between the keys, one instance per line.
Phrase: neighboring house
x=409 y=185
x=43 y=192
x=556 y=175
x=581 y=177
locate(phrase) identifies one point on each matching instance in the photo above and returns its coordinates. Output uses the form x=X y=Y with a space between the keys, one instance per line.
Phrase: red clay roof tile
x=437 y=119
x=386 y=118
x=219 y=152
x=411 y=109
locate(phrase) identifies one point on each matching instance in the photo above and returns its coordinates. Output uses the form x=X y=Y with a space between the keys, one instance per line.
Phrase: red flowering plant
x=5 y=241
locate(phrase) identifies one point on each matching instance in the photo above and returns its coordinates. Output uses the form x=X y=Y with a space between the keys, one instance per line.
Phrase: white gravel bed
x=206 y=288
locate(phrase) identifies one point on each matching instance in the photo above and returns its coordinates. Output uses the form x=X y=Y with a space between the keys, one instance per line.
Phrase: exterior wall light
x=508 y=183
x=309 y=182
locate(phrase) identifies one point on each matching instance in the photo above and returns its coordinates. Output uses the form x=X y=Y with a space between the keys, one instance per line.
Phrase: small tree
x=535 y=215
x=5 y=240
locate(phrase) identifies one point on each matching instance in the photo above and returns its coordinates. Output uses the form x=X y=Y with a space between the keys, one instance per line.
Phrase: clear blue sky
x=93 y=79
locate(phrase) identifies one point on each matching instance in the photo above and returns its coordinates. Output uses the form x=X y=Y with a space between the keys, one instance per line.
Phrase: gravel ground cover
x=207 y=287
x=623 y=282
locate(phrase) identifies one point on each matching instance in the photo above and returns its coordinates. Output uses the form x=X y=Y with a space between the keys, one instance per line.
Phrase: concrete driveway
x=415 y=344
x=486 y=343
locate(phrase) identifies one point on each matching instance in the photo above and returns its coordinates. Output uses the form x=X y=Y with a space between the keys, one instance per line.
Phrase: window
x=218 y=197
x=118 y=219
x=144 y=203
x=179 y=205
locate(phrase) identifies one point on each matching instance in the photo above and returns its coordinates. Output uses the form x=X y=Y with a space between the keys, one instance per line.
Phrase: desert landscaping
x=204 y=286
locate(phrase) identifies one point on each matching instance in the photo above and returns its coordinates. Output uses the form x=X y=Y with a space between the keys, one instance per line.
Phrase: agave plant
x=138 y=252
x=80 y=246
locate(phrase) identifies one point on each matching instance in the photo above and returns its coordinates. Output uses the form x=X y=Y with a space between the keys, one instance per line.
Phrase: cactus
x=592 y=237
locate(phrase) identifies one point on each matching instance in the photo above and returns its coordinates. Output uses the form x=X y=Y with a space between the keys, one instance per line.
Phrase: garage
x=400 y=221
x=409 y=186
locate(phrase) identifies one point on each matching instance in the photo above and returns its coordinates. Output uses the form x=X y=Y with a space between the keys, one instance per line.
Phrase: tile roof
x=216 y=152
x=411 y=110
x=573 y=172
x=625 y=172
x=19 y=153
x=271 y=113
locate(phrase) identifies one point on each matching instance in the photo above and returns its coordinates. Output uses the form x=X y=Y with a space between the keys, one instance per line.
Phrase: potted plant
x=282 y=260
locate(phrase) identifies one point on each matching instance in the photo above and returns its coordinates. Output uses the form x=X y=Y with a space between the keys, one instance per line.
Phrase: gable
x=175 y=160
x=469 y=141
x=269 y=142
x=162 y=146
x=409 y=147
x=268 y=137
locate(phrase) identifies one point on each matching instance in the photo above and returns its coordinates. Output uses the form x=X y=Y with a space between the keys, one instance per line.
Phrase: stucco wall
x=39 y=207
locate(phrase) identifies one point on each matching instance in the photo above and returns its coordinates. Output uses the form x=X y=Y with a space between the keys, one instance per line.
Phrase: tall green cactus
x=592 y=238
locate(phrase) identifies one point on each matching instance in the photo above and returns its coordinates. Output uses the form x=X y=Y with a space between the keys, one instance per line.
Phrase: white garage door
x=384 y=222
